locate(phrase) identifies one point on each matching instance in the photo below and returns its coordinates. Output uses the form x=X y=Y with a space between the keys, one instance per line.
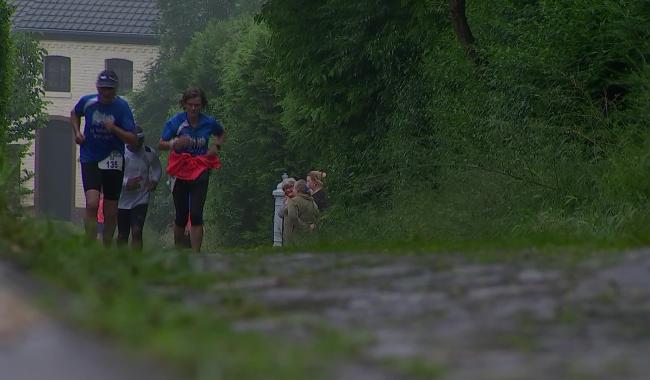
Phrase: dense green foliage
x=350 y=77
x=546 y=137
x=255 y=142
x=179 y=22
x=6 y=77
x=521 y=145
x=27 y=112
x=6 y=73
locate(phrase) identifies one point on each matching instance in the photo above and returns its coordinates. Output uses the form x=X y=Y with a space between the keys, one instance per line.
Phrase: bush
x=6 y=69
x=419 y=142
x=6 y=77
x=240 y=207
x=449 y=149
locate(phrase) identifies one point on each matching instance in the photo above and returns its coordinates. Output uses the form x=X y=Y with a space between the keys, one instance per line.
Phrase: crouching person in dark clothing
x=301 y=215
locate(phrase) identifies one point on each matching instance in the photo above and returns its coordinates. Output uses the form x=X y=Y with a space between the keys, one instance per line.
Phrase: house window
x=124 y=70
x=57 y=73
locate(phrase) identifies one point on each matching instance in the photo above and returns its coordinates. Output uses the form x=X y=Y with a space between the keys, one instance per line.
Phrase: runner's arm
x=165 y=145
x=215 y=144
x=75 y=120
x=127 y=137
x=176 y=143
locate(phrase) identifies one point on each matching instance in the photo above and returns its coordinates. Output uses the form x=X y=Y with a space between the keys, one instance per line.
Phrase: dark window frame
x=57 y=73
x=124 y=70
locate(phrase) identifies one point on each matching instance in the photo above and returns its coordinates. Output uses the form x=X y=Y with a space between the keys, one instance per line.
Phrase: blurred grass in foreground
x=113 y=291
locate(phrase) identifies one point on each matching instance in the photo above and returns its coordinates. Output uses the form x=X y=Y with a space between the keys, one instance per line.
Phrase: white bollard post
x=278 y=195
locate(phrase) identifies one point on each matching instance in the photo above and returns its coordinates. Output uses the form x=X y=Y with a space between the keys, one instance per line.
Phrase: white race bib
x=114 y=161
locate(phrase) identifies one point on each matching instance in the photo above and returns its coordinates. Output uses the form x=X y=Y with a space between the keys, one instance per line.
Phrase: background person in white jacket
x=142 y=172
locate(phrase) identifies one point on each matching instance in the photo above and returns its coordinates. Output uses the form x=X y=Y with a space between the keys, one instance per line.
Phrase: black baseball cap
x=107 y=78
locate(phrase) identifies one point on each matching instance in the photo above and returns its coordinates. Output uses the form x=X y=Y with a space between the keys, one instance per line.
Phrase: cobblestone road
x=442 y=317
x=457 y=320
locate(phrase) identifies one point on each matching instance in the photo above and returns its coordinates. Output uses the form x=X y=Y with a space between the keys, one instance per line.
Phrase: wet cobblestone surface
x=411 y=317
x=455 y=319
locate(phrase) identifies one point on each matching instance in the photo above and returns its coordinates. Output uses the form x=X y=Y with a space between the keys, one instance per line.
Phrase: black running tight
x=189 y=199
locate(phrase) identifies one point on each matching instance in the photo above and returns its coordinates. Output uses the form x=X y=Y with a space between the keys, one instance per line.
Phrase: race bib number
x=114 y=161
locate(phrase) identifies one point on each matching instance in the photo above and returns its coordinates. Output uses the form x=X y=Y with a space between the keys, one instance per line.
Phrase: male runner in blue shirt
x=109 y=124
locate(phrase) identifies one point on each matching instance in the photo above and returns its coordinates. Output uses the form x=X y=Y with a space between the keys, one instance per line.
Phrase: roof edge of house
x=86 y=36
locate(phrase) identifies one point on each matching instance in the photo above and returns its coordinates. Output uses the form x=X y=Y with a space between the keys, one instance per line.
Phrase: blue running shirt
x=99 y=141
x=200 y=134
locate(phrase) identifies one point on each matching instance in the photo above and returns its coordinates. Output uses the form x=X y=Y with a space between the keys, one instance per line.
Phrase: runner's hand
x=133 y=183
x=110 y=126
x=212 y=151
x=79 y=138
x=151 y=186
x=182 y=142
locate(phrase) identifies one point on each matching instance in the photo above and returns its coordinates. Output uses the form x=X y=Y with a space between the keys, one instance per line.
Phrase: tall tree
x=180 y=20
x=341 y=66
x=464 y=34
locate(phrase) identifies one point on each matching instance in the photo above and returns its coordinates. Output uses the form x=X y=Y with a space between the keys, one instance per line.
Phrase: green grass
x=109 y=291
x=547 y=251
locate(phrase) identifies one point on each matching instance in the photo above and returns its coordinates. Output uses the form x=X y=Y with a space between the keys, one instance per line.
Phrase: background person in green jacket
x=301 y=215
